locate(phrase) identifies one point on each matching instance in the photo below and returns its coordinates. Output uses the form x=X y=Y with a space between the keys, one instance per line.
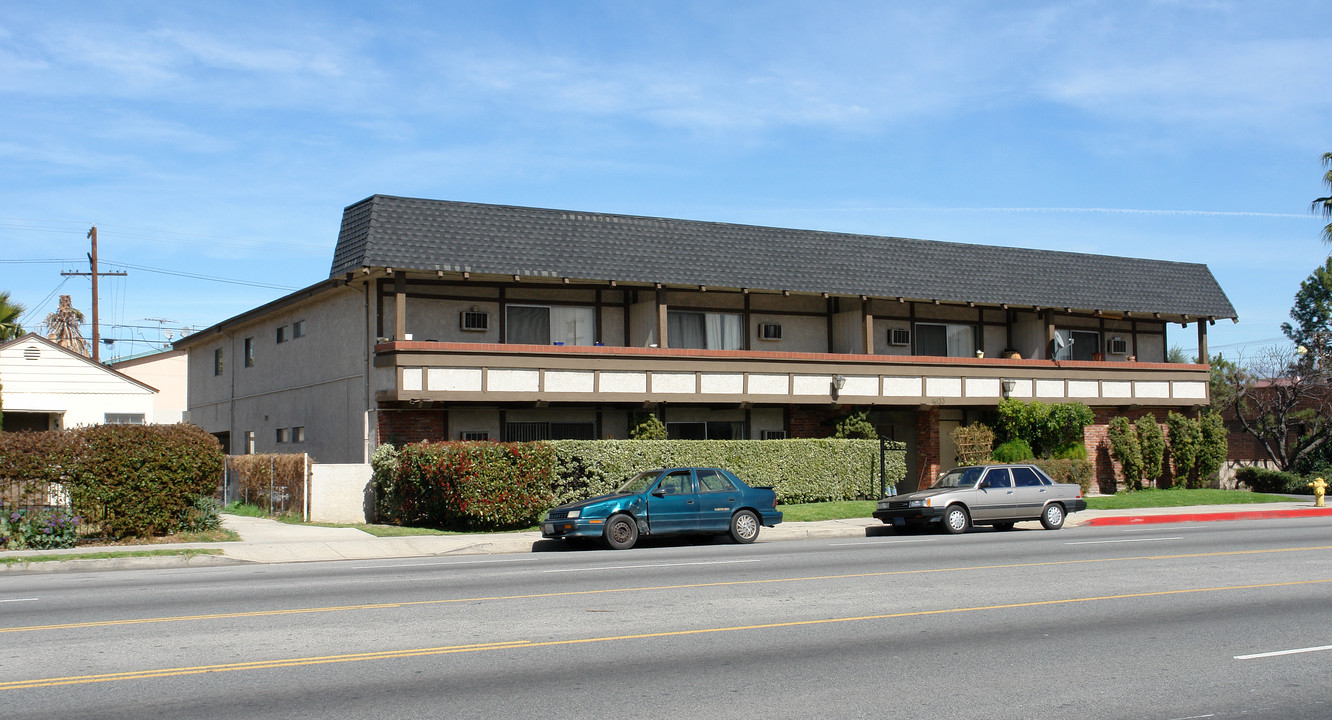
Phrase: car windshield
x=960 y=477
x=638 y=483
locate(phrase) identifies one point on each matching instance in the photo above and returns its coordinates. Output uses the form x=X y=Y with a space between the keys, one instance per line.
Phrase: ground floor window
x=529 y=431
x=124 y=418
x=705 y=430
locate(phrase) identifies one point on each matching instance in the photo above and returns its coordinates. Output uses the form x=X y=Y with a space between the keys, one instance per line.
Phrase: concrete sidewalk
x=270 y=541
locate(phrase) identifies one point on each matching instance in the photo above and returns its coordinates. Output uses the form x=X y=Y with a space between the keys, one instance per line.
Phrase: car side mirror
x=984 y=484
x=659 y=492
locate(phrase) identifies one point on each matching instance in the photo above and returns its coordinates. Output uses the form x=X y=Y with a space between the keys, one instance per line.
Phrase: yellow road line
x=519 y=644
x=604 y=591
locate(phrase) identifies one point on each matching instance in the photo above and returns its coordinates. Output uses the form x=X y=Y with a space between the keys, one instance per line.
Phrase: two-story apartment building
x=449 y=320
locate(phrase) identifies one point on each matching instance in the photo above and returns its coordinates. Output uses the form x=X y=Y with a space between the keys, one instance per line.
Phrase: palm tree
x=1323 y=205
x=63 y=327
x=10 y=312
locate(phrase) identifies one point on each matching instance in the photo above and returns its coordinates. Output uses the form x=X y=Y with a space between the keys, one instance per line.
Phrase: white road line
x=1147 y=529
x=20 y=600
x=882 y=542
x=1107 y=542
x=1279 y=653
x=442 y=563
x=660 y=565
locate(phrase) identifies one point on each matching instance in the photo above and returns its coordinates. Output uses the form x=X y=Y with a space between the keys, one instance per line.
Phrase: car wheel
x=1053 y=516
x=1003 y=526
x=621 y=532
x=744 y=527
x=955 y=519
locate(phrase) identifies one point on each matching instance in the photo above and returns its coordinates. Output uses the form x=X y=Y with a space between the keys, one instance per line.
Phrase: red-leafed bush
x=468 y=485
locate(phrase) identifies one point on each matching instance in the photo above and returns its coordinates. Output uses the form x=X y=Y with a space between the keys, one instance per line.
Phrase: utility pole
x=92 y=262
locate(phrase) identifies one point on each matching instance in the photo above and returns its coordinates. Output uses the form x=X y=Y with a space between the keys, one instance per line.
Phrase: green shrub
x=472 y=485
x=1016 y=450
x=1263 y=480
x=1151 y=445
x=143 y=480
x=1078 y=472
x=1213 y=447
x=856 y=426
x=1126 y=450
x=1185 y=436
x=383 y=479
x=204 y=515
x=1045 y=427
x=648 y=427
x=1071 y=451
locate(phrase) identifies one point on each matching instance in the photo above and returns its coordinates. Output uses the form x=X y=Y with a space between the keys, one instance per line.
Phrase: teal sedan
x=668 y=501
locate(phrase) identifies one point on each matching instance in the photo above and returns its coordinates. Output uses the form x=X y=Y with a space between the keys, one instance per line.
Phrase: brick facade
x=814 y=422
x=927 y=446
x=1096 y=439
x=411 y=425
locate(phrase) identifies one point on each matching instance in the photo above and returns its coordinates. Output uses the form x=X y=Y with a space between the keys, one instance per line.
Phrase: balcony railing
x=478 y=372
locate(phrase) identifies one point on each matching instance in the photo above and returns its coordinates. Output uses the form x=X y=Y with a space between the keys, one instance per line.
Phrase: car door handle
x=689 y=502
x=1008 y=492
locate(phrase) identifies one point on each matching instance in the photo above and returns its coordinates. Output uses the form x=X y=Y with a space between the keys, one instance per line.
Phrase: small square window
x=281 y=435
x=282 y=334
x=298 y=329
x=770 y=331
x=298 y=434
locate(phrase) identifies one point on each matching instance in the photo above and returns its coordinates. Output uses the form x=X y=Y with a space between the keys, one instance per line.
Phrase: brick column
x=927 y=445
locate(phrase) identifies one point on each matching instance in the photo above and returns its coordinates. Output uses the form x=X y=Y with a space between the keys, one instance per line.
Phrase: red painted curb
x=1202 y=517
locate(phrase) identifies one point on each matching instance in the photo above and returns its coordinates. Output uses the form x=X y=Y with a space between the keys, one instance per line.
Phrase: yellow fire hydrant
x=1320 y=488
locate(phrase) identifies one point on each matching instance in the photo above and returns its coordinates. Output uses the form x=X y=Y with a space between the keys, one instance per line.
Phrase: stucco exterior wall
x=40 y=377
x=169 y=373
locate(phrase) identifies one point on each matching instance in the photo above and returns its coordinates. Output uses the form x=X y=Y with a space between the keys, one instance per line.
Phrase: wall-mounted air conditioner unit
x=475 y=320
x=1118 y=346
x=899 y=336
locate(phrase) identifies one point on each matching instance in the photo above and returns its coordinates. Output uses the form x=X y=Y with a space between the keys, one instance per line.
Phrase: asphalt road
x=1166 y=621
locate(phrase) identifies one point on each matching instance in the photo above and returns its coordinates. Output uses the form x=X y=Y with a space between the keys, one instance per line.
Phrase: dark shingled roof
x=415 y=234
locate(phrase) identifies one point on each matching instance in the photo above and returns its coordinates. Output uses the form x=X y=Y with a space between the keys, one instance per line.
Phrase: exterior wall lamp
x=1007 y=385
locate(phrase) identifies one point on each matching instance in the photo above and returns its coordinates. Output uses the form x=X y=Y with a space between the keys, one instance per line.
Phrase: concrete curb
x=1211 y=516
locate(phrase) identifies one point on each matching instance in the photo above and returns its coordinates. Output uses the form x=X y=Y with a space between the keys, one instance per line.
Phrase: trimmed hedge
x=489 y=485
x=1078 y=472
x=132 y=480
x=801 y=470
x=1262 y=480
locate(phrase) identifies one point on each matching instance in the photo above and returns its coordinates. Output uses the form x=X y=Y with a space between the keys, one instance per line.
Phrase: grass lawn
x=191 y=552
x=1179 y=497
x=840 y=510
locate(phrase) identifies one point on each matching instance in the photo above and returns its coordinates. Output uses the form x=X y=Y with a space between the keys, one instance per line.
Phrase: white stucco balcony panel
x=570 y=381
x=411 y=379
x=943 y=387
x=1049 y=388
x=1117 y=389
x=454 y=379
x=903 y=387
x=812 y=385
x=721 y=383
x=1084 y=389
x=623 y=382
x=674 y=383
x=766 y=384
x=1021 y=389
x=861 y=385
x=983 y=387
x=1151 y=389
x=1190 y=390
x=513 y=381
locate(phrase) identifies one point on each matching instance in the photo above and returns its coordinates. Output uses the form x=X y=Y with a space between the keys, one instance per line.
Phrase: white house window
x=772 y=435
x=705 y=330
x=124 y=418
x=1077 y=344
x=544 y=325
x=945 y=340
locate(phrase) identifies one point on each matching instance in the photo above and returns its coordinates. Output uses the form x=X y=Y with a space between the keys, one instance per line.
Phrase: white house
x=45 y=387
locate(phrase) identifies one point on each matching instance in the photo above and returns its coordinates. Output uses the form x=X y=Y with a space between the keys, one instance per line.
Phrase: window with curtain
x=705 y=330
x=945 y=340
x=542 y=325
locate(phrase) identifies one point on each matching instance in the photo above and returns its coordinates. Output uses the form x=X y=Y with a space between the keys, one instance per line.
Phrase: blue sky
x=215 y=144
